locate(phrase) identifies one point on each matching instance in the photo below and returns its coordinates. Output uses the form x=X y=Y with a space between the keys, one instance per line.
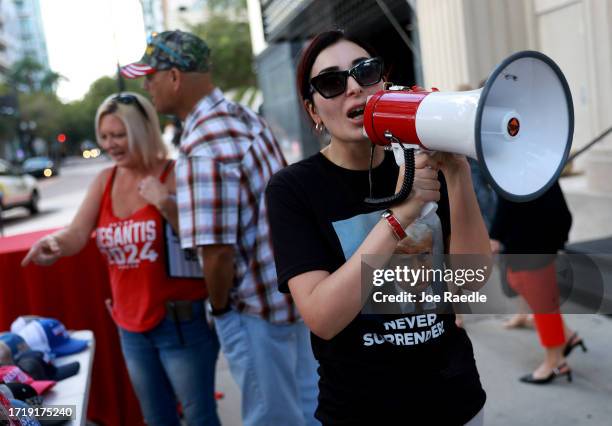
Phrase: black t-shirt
x=535 y=229
x=538 y=226
x=381 y=369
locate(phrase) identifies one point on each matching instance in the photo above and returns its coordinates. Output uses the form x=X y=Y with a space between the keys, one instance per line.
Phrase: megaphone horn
x=519 y=126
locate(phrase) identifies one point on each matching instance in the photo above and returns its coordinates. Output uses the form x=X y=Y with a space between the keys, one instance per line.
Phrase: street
x=60 y=197
x=502 y=355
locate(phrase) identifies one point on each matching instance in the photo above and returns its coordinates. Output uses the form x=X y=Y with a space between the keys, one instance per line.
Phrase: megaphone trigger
x=428 y=209
x=398 y=153
x=399 y=148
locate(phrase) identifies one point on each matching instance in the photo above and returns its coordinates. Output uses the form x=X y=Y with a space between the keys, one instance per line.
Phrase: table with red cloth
x=73 y=290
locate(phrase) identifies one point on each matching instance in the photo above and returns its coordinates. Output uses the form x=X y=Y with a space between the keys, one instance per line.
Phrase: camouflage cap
x=171 y=49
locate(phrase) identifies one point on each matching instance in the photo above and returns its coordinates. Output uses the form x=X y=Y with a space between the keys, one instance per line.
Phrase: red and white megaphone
x=519 y=126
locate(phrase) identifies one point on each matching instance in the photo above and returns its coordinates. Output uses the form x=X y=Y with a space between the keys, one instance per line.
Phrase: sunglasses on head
x=126 y=99
x=333 y=83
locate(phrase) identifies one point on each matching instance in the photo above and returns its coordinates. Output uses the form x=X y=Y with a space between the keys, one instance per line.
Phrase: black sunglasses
x=333 y=83
x=125 y=99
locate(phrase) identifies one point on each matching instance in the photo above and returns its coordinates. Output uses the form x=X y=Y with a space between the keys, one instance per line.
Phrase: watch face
x=387 y=213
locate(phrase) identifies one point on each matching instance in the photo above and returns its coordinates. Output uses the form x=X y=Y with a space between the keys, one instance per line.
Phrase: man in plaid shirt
x=228 y=154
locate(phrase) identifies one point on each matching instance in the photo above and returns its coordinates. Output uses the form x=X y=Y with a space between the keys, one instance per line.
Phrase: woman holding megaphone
x=374 y=369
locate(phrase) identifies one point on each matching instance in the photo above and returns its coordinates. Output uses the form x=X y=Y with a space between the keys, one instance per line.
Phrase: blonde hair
x=144 y=135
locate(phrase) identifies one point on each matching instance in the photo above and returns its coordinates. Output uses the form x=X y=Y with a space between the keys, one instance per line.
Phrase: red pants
x=539 y=288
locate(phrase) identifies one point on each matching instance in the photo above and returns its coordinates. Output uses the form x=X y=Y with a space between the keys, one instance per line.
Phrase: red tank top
x=135 y=250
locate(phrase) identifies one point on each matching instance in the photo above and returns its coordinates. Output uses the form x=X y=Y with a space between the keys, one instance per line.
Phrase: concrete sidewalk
x=503 y=356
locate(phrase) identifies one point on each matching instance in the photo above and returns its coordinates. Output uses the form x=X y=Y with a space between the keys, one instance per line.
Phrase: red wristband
x=396 y=226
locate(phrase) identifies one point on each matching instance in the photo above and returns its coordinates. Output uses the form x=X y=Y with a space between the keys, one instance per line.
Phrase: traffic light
x=61 y=138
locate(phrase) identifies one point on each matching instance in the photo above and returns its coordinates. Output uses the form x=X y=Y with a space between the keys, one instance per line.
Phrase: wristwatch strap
x=395 y=225
x=221 y=311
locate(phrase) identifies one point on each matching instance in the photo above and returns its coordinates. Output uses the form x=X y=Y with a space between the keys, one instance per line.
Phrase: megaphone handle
x=406 y=188
x=428 y=208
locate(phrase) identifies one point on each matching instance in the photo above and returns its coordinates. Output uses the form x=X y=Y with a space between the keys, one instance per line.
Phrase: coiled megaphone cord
x=373 y=147
x=404 y=192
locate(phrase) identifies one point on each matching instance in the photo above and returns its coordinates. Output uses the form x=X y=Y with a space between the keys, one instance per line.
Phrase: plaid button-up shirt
x=227 y=156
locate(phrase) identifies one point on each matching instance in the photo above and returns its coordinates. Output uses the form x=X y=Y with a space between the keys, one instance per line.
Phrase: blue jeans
x=274 y=368
x=163 y=371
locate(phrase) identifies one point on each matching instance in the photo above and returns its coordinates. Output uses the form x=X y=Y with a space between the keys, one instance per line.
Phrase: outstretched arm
x=72 y=239
x=469 y=234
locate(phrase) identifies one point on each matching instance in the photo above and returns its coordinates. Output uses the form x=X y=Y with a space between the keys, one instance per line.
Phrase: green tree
x=27 y=75
x=39 y=104
x=225 y=6
x=78 y=116
x=44 y=109
x=23 y=74
x=38 y=108
x=229 y=39
x=7 y=115
x=50 y=80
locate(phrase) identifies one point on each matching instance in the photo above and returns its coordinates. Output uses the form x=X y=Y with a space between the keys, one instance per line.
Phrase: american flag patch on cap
x=136 y=70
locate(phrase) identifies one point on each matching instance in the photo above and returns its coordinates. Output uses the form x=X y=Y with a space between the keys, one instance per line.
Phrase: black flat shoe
x=556 y=372
x=571 y=344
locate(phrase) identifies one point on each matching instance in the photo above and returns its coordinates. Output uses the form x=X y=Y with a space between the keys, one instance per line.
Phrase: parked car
x=40 y=167
x=17 y=189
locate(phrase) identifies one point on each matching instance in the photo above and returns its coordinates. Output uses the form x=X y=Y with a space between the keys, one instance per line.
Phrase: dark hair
x=311 y=52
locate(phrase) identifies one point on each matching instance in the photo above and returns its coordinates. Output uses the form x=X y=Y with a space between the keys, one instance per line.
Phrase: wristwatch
x=394 y=224
x=216 y=312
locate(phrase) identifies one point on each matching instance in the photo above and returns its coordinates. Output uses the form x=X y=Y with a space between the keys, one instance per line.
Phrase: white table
x=75 y=390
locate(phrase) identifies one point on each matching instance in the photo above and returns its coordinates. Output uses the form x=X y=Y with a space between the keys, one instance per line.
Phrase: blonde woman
x=167 y=346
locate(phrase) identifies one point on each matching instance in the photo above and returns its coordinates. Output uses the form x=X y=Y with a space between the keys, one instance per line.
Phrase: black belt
x=183 y=310
x=179 y=311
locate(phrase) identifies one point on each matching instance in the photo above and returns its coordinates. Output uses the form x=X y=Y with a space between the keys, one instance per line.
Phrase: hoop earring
x=319 y=127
